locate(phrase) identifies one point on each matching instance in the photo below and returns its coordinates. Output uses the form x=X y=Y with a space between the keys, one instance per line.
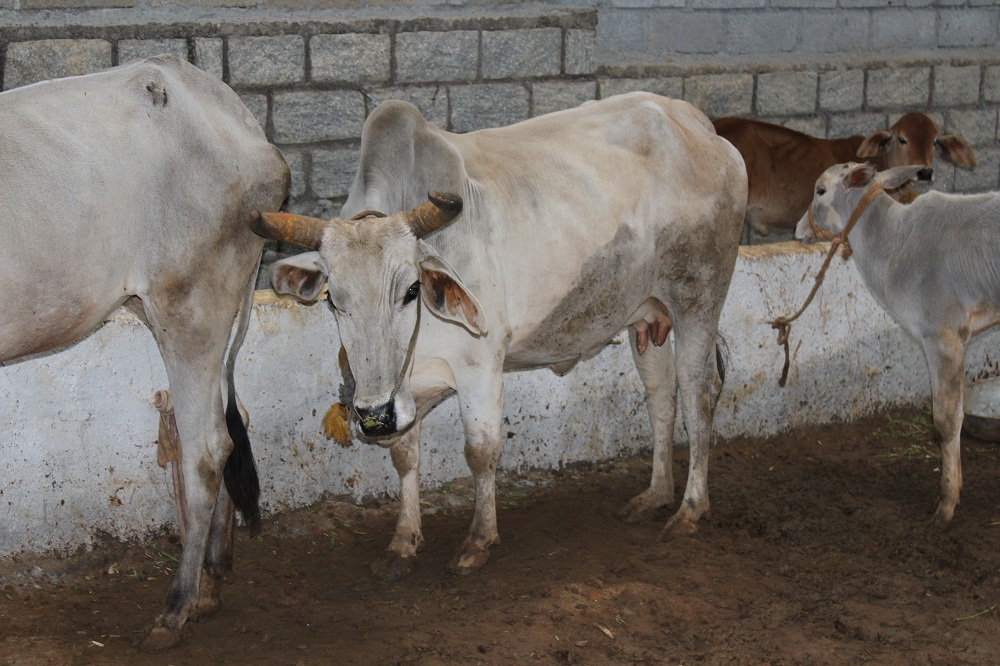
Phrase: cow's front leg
x=482 y=414
x=945 y=361
x=399 y=558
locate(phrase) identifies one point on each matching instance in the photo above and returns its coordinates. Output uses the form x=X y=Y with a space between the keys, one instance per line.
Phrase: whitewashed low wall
x=78 y=429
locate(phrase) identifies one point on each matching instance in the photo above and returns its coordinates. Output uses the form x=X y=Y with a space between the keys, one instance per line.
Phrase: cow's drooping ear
x=443 y=292
x=860 y=175
x=302 y=276
x=899 y=176
x=956 y=150
x=875 y=144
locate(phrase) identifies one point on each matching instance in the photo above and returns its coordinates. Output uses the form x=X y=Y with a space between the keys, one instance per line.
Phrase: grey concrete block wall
x=311 y=80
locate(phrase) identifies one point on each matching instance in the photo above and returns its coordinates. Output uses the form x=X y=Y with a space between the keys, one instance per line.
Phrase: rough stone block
x=266 y=61
x=669 y=86
x=842 y=90
x=647 y=4
x=133 y=50
x=803 y=4
x=437 y=56
x=720 y=94
x=208 y=55
x=729 y=4
x=771 y=32
x=813 y=126
x=956 y=85
x=74 y=4
x=979 y=127
x=856 y=123
x=431 y=100
x=258 y=107
x=904 y=28
x=899 y=86
x=991 y=84
x=296 y=164
x=559 y=95
x=305 y=117
x=28 y=62
x=984 y=177
x=673 y=31
x=333 y=171
x=844 y=30
x=352 y=57
x=521 y=53
x=967 y=27
x=786 y=93
x=487 y=105
x=581 y=52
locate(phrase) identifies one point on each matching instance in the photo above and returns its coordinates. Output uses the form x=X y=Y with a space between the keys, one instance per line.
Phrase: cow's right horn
x=290 y=228
x=440 y=209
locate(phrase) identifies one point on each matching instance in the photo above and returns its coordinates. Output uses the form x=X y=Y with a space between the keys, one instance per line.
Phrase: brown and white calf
x=783 y=165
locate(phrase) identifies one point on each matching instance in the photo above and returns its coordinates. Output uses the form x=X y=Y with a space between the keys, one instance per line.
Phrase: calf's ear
x=875 y=144
x=890 y=179
x=443 y=292
x=953 y=148
x=302 y=276
x=859 y=175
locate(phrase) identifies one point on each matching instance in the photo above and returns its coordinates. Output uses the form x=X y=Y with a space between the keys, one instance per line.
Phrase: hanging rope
x=783 y=324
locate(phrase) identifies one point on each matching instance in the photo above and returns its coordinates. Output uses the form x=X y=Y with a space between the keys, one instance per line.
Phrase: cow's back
x=114 y=180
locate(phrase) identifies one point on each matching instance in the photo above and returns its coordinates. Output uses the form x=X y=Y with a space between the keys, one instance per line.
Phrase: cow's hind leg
x=699 y=383
x=945 y=361
x=658 y=374
x=193 y=351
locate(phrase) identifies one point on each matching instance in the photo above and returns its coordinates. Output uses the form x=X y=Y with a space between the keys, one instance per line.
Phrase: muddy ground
x=818 y=551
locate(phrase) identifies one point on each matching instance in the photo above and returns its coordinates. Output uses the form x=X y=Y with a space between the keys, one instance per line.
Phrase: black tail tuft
x=240 y=473
x=721 y=346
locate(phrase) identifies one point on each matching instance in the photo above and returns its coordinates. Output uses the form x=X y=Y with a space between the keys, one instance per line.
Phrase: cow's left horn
x=440 y=209
x=298 y=229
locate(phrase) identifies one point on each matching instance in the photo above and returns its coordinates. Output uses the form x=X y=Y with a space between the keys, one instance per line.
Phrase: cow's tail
x=721 y=350
x=240 y=473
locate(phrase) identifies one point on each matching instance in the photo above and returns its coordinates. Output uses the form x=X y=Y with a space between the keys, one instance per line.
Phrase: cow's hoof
x=639 y=509
x=942 y=516
x=678 y=526
x=160 y=638
x=392 y=566
x=469 y=559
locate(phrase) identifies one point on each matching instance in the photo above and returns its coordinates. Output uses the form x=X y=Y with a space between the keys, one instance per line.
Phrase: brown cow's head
x=914 y=140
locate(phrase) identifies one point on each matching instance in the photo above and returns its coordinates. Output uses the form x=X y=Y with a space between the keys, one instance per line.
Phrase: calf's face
x=379 y=273
x=914 y=140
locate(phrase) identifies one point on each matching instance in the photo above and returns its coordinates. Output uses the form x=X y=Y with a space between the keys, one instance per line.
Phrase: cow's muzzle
x=925 y=174
x=377 y=421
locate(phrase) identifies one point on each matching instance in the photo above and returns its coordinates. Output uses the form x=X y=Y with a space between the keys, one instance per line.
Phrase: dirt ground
x=819 y=550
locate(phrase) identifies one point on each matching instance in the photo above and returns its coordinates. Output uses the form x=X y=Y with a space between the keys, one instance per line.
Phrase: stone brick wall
x=311 y=77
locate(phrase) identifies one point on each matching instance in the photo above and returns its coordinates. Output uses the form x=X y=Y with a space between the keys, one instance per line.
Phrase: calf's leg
x=398 y=559
x=945 y=361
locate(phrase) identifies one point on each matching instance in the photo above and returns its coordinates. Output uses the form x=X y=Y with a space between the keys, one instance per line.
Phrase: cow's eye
x=411 y=293
x=903 y=141
x=820 y=191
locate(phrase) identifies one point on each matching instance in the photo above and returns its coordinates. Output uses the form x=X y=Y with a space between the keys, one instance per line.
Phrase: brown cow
x=783 y=165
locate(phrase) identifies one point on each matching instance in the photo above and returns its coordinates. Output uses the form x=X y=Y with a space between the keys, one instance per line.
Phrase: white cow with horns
x=135 y=186
x=934 y=265
x=562 y=230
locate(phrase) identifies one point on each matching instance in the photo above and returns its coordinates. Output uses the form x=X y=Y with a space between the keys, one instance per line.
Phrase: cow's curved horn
x=440 y=209
x=297 y=229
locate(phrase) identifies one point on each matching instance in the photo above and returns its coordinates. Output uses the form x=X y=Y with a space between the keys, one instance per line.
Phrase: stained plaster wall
x=77 y=427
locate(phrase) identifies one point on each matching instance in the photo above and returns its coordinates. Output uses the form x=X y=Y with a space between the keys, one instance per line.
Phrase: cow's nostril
x=377 y=421
x=925 y=174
